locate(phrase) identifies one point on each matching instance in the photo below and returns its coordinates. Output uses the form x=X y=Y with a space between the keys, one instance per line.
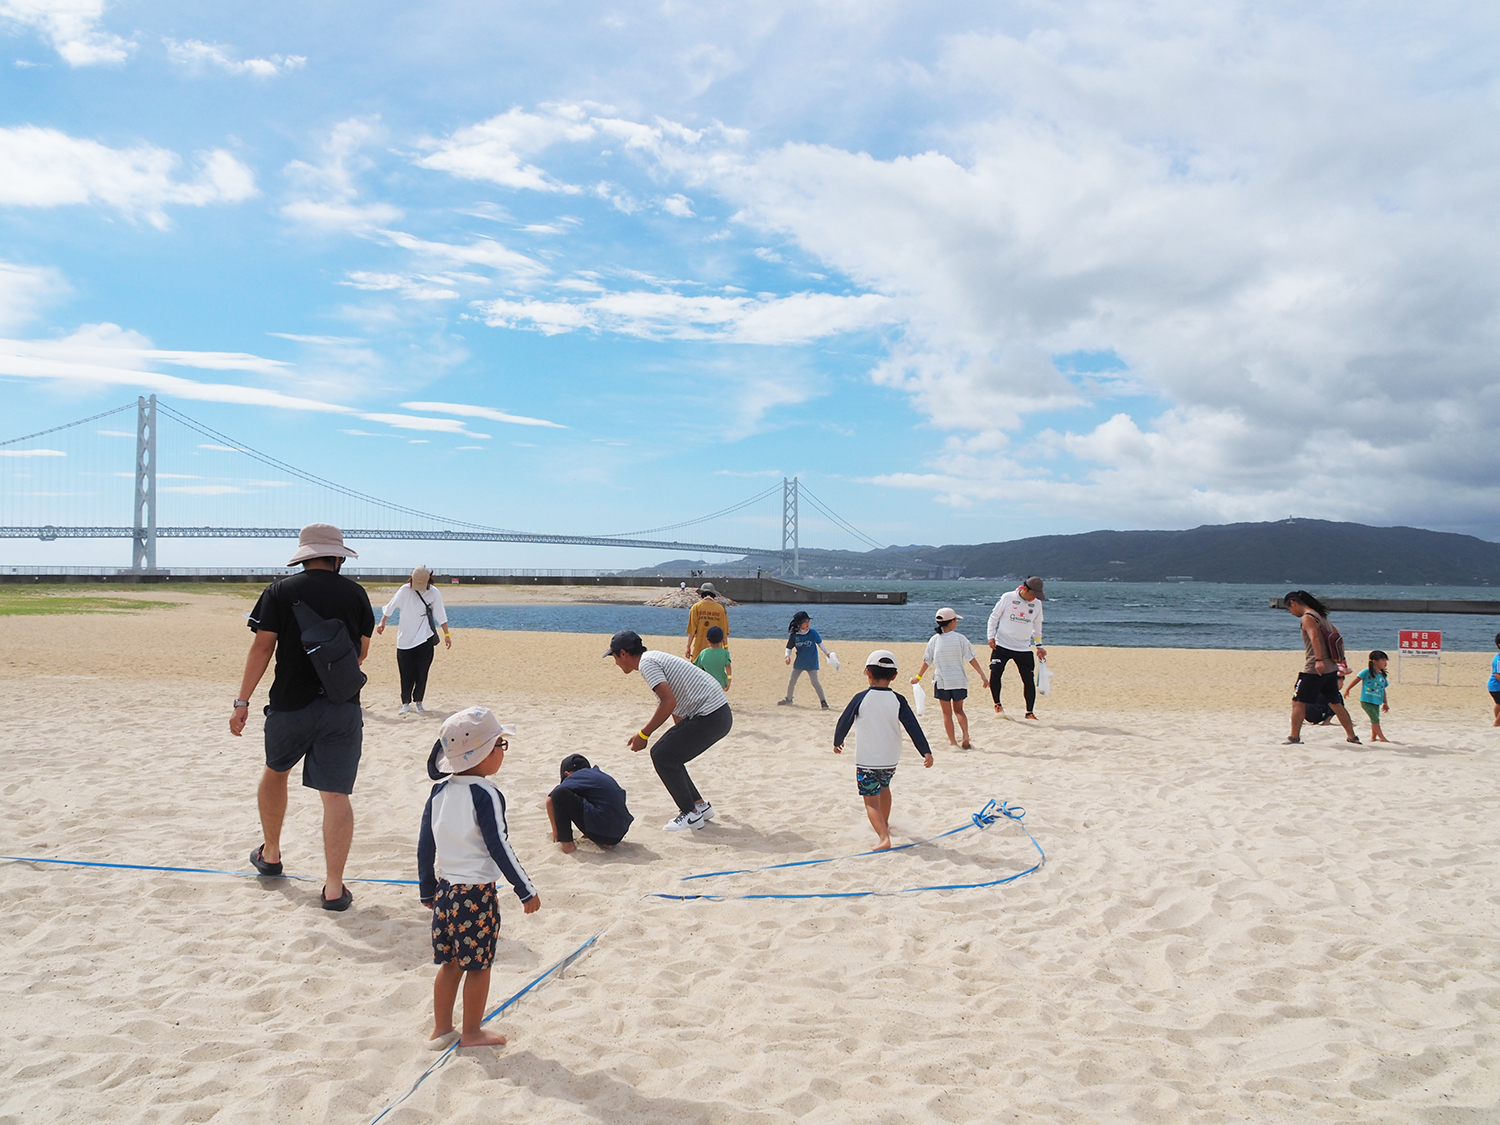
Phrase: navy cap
x=626 y=640
x=571 y=764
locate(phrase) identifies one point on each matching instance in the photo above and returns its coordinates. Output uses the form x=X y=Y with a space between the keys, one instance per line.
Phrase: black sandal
x=262 y=865
x=341 y=903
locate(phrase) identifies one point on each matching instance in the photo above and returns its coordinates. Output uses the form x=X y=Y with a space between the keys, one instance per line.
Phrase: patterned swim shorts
x=872 y=781
x=465 y=923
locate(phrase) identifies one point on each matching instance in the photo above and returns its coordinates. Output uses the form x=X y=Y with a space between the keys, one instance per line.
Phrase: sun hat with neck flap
x=321 y=541
x=465 y=739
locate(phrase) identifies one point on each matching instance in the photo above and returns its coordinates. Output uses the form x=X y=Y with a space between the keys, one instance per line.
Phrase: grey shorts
x=325 y=737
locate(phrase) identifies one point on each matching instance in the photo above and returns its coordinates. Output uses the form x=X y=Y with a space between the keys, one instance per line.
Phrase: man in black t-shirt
x=302 y=723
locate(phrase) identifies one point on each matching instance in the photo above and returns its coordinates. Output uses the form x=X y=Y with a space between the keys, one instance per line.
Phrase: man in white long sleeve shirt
x=1014 y=626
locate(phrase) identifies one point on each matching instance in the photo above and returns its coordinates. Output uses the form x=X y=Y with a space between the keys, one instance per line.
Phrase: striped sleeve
x=489 y=814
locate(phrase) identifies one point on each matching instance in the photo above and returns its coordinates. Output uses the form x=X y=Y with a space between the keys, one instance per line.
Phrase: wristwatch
x=242 y=703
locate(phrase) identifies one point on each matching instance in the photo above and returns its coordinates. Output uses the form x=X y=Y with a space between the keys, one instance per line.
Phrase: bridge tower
x=789 y=526
x=143 y=539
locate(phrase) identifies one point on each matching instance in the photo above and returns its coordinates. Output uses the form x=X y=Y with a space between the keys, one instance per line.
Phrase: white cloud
x=498 y=150
x=32 y=453
x=72 y=27
x=327 y=193
x=418 y=288
x=195 y=56
x=47 y=168
x=24 y=291
x=412 y=422
x=794 y=319
x=465 y=411
x=487 y=252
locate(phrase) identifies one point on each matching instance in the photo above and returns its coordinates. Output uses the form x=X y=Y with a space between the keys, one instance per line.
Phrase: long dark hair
x=791 y=630
x=1374 y=656
x=1308 y=600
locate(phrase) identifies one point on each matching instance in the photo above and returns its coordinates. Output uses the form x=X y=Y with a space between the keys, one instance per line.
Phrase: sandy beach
x=1226 y=929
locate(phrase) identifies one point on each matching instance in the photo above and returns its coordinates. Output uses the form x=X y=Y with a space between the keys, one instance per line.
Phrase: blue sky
x=974 y=272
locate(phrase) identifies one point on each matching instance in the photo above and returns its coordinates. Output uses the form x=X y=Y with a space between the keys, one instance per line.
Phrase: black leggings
x=567 y=810
x=1025 y=664
x=680 y=745
x=414 y=664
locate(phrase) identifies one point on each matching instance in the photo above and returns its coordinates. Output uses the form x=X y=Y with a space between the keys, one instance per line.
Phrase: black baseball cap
x=626 y=640
x=572 y=763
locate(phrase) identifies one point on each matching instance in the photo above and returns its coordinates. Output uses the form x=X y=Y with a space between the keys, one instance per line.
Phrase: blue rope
x=537 y=982
x=191 y=870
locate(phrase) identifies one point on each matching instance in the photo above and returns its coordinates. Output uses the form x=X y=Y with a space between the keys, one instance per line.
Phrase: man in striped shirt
x=700 y=714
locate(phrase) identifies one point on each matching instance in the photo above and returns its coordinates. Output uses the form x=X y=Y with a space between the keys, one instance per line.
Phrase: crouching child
x=462 y=851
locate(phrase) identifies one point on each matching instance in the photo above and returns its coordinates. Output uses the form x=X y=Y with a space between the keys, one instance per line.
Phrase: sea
x=1116 y=614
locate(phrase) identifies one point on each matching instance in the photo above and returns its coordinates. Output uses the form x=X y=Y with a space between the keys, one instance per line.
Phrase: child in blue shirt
x=1372 y=683
x=803 y=640
x=1494 y=684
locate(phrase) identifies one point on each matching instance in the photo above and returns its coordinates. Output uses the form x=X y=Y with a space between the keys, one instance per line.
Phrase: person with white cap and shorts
x=463 y=849
x=303 y=723
x=420 y=605
x=947 y=652
x=877 y=716
x=1015 y=625
x=700 y=715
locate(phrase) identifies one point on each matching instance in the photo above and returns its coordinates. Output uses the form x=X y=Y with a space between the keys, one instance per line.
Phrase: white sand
x=1226 y=929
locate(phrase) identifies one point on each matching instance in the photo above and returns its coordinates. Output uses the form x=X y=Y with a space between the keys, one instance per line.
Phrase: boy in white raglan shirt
x=463 y=849
x=1014 y=626
x=877 y=716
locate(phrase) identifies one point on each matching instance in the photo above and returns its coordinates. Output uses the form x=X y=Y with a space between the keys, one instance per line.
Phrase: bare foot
x=1029 y=715
x=568 y=846
x=967 y=745
x=481 y=1038
x=883 y=846
x=440 y=1033
x=952 y=742
x=1001 y=710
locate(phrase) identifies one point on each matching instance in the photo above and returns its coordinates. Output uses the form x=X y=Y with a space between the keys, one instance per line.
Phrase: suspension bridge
x=28 y=490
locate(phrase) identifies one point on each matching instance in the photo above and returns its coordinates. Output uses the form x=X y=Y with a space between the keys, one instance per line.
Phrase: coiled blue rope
x=191 y=870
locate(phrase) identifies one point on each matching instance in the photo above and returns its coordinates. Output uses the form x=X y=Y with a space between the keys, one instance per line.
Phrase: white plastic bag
x=918 y=699
x=833 y=661
x=1043 y=678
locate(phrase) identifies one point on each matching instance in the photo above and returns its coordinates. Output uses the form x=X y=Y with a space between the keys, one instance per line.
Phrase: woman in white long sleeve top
x=422 y=614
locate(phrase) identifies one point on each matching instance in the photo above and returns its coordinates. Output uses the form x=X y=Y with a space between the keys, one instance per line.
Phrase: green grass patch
x=30 y=601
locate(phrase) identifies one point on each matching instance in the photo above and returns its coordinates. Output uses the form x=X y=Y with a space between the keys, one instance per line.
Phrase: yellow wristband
x=643 y=736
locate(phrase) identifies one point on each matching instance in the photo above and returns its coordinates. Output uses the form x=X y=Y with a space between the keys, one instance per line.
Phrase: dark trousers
x=1025 y=664
x=414 y=664
x=567 y=810
x=680 y=745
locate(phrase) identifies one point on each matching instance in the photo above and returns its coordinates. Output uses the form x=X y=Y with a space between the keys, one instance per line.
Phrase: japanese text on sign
x=1420 y=640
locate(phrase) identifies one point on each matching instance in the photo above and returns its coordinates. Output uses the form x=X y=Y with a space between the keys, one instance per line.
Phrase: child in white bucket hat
x=463 y=849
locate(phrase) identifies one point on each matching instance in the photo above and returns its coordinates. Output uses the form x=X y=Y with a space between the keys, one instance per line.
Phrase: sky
x=972 y=272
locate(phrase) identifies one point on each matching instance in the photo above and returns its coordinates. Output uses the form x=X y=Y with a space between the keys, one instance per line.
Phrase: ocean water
x=1120 y=614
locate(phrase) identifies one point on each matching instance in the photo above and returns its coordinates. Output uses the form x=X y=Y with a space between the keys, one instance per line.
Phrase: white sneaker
x=680 y=822
x=705 y=813
x=420 y=708
x=404 y=709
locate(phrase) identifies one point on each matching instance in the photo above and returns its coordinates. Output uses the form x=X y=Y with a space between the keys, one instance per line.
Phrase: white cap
x=881 y=658
x=947 y=614
x=467 y=737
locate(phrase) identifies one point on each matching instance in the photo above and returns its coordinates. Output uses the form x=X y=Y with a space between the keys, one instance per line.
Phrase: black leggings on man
x=682 y=743
x=414 y=664
x=1025 y=664
x=567 y=810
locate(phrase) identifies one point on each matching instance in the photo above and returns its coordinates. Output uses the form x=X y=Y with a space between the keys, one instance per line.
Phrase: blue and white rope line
x=992 y=813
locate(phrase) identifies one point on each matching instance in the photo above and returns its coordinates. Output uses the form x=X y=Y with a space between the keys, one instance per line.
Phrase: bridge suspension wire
x=839 y=520
x=69 y=425
x=704 y=519
x=313 y=478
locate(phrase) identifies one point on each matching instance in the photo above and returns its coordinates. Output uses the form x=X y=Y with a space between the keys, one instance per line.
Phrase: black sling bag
x=331 y=650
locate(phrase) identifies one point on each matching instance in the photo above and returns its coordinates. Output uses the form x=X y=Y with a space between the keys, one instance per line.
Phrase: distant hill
x=1293 y=552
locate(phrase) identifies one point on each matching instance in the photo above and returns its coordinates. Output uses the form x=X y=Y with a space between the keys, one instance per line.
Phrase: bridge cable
x=701 y=519
x=837 y=519
x=70 y=425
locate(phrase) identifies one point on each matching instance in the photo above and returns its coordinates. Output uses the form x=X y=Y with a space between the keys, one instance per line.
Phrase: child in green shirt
x=715 y=658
